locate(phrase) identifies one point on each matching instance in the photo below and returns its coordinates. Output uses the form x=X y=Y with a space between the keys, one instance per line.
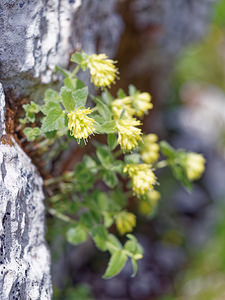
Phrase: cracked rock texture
x=39 y=34
x=24 y=257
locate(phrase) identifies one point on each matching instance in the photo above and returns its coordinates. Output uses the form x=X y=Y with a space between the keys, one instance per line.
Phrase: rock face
x=24 y=257
x=37 y=35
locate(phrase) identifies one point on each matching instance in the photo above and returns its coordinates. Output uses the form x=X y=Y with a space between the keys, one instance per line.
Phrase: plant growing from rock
x=91 y=198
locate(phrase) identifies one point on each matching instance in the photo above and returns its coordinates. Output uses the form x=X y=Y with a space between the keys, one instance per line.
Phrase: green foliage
x=176 y=160
x=90 y=199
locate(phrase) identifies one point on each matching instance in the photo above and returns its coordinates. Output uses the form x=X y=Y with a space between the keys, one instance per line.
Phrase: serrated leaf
x=116 y=264
x=53 y=121
x=112 y=141
x=80 y=97
x=76 y=235
x=49 y=106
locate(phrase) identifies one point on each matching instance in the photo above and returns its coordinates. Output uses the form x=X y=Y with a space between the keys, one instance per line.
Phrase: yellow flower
x=153 y=196
x=125 y=222
x=79 y=124
x=142 y=177
x=118 y=105
x=142 y=103
x=147 y=206
x=103 y=71
x=128 y=134
x=194 y=165
x=149 y=149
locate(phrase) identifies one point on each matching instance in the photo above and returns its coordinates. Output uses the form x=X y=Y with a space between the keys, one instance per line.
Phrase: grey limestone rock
x=38 y=35
x=24 y=256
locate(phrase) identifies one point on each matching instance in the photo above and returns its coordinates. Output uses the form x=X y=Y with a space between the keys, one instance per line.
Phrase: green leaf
x=51 y=95
x=80 y=97
x=53 y=121
x=167 y=150
x=103 y=109
x=134 y=247
x=104 y=156
x=63 y=71
x=73 y=83
x=116 y=264
x=132 y=90
x=121 y=93
x=50 y=134
x=110 y=178
x=100 y=237
x=112 y=141
x=107 y=127
x=67 y=99
x=132 y=158
x=87 y=220
x=113 y=243
x=31 y=107
x=101 y=200
x=135 y=267
x=90 y=164
x=77 y=58
x=118 y=166
x=107 y=97
x=49 y=106
x=76 y=235
x=31 y=133
x=180 y=174
x=108 y=219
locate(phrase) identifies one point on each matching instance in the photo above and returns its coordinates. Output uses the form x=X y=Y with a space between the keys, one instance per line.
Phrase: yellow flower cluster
x=103 y=70
x=149 y=148
x=128 y=133
x=147 y=206
x=123 y=110
x=125 y=222
x=194 y=165
x=142 y=103
x=79 y=124
x=143 y=178
x=120 y=105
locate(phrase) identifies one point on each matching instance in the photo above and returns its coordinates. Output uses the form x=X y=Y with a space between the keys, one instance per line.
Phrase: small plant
x=95 y=195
